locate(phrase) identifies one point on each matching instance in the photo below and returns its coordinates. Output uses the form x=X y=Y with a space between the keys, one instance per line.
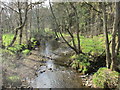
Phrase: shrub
x=81 y=63
x=105 y=78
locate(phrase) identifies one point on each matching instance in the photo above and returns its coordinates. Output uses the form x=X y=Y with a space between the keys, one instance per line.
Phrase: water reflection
x=55 y=74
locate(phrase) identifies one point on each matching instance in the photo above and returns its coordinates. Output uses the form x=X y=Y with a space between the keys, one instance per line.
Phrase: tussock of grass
x=105 y=78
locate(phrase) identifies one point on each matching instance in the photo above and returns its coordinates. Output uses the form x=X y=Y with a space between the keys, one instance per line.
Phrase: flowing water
x=55 y=74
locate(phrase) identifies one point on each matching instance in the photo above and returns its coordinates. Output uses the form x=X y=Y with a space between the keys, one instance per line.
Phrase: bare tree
x=21 y=24
x=108 y=59
x=76 y=48
x=114 y=33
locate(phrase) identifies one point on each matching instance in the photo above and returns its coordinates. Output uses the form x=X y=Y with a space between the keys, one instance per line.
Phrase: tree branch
x=10 y=7
x=93 y=7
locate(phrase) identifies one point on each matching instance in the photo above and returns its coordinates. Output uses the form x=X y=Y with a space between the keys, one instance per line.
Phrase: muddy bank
x=16 y=72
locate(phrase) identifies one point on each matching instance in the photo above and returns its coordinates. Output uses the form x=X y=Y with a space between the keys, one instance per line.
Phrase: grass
x=7 y=38
x=94 y=45
x=16 y=48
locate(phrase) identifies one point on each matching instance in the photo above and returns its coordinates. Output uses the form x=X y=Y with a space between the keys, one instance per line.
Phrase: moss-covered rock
x=105 y=78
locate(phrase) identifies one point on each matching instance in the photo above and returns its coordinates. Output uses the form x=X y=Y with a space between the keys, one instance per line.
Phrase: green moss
x=13 y=78
x=15 y=48
x=7 y=38
x=26 y=51
x=73 y=57
x=105 y=76
x=32 y=39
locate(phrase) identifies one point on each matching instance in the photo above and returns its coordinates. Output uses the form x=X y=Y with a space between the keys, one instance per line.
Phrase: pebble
x=49 y=68
x=42 y=71
x=36 y=74
x=87 y=80
x=83 y=76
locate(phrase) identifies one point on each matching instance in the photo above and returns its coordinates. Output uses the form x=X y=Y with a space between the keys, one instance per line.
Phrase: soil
x=24 y=67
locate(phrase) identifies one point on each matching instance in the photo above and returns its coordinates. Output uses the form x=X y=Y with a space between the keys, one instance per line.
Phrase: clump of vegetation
x=94 y=45
x=15 y=48
x=18 y=48
x=105 y=78
x=48 y=31
x=26 y=51
x=5 y=51
x=81 y=63
x=7 y=38
x=13 y=78
x=33 y=43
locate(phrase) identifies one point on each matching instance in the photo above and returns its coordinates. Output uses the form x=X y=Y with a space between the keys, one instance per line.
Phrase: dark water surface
x=55 y=74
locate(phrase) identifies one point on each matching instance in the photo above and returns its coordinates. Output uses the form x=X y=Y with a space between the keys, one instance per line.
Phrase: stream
x=55 y=74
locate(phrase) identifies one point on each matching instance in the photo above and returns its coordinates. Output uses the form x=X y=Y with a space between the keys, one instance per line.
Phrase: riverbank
x=18 y=73
x=22 y=71
x=51 y=59
x=87 y=80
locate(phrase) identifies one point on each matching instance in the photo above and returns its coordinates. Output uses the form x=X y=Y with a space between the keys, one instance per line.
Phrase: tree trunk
x=108 y=59
x=26 y=31
x=115 y=28
x=37 y=17
x=20 y=19
x=1 y=29
x=118 y=44
x=60 y=31
x=20 y=27
x=77 y=28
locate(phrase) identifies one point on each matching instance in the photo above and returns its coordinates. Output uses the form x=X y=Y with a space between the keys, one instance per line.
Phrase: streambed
x=55 y=73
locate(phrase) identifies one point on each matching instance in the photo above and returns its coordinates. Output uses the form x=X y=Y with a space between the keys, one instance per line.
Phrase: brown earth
x=23 y=68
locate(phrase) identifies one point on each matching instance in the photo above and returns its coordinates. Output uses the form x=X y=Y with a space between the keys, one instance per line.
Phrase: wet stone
x=42 y=71
x=49 y=68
